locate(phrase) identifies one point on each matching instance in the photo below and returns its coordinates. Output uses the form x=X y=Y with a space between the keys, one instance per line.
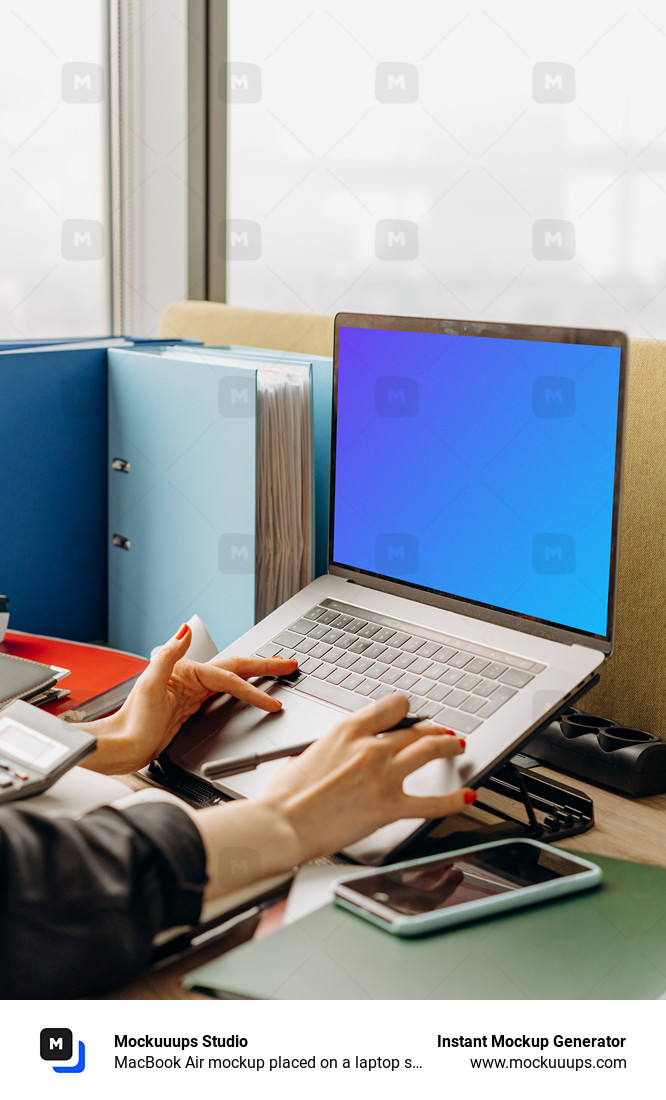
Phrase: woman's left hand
x=170 y=690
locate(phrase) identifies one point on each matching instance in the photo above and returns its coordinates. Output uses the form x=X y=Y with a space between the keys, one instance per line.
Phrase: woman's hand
x=350 y=782
x=339 y=790
x=170 y=690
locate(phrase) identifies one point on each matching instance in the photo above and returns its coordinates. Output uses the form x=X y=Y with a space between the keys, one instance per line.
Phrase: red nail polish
x=182 y=632
x=462 y=742
x=469 y=797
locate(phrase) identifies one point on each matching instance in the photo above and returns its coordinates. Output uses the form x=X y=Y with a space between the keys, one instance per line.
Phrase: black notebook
x=23 y=679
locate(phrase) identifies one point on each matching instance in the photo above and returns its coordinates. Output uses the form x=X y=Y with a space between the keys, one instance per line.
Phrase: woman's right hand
x=350 y=782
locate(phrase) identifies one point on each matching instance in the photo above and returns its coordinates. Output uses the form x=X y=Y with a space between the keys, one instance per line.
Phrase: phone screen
x=446 y=882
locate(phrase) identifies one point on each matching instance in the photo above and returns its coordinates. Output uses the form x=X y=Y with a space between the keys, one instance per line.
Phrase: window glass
x=498 y=161
x=53 y=169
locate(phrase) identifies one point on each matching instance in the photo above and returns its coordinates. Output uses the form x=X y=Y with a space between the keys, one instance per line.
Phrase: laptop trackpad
x=225 y=727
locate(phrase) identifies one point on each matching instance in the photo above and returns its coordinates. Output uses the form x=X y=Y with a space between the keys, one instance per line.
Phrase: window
x=54 y=276
x=465 y=160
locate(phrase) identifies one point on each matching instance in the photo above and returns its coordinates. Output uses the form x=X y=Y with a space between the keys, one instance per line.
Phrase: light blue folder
x=182 y=490
x=182 y=511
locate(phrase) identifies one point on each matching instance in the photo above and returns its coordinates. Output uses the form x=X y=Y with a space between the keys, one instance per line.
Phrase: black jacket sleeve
x=80 y=901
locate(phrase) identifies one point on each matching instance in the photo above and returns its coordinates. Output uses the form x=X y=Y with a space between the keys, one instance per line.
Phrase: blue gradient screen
x=481 y=468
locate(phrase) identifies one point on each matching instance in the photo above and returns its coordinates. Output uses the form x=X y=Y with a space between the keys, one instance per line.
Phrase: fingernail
x=182 y=632
x=461 y=741
x=469 y=797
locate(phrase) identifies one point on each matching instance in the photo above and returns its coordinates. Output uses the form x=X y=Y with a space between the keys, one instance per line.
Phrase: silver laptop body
x=475 y=480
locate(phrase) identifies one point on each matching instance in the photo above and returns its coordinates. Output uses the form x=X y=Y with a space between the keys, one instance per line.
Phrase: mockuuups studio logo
x=237 y=397
x=553 y=239
x=553 y=396
x=56 y=1045
x=82 y=82
x=82 y=239
x=236 y=553
x=396 y=553
x=396 y=82
x=553 y=82
x=553 y=553
x=396 y=396
x=240 y=239
x=396 y=239
x=239 y=82
x=239 y=863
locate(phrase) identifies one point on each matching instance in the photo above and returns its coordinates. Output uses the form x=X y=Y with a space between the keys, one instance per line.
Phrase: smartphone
x=421 y=896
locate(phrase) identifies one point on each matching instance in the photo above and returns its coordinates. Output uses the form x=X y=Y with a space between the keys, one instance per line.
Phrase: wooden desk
x=626 y=828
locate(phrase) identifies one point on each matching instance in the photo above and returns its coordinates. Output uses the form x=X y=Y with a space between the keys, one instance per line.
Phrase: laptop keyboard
x=348 y=656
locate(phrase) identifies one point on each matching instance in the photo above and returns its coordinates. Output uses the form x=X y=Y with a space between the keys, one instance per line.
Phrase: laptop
x=475 y=489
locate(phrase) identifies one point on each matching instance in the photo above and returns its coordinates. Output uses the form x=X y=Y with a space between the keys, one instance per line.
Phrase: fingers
x=161 y=665
x=222 y=680
x=437 y=805
x=401 y=738
x=256 y=666
x=380 y=716
x=434 y=743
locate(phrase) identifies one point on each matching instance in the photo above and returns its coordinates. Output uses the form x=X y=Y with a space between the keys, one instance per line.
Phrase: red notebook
x=94 y=668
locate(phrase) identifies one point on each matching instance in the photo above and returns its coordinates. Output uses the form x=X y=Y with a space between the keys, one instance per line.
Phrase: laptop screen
x=480 y=464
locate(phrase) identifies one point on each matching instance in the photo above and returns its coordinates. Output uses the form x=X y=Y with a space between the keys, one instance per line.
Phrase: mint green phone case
x=440 y=919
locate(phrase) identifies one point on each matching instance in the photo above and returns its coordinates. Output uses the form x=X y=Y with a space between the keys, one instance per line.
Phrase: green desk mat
x=606 y=944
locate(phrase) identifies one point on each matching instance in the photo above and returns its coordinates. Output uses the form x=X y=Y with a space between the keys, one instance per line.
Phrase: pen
x=217 y=769
x=232 y=765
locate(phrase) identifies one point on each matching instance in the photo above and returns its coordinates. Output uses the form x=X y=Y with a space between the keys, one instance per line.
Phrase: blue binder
x=183 y=518
x=53 y=553
x=52 y=491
